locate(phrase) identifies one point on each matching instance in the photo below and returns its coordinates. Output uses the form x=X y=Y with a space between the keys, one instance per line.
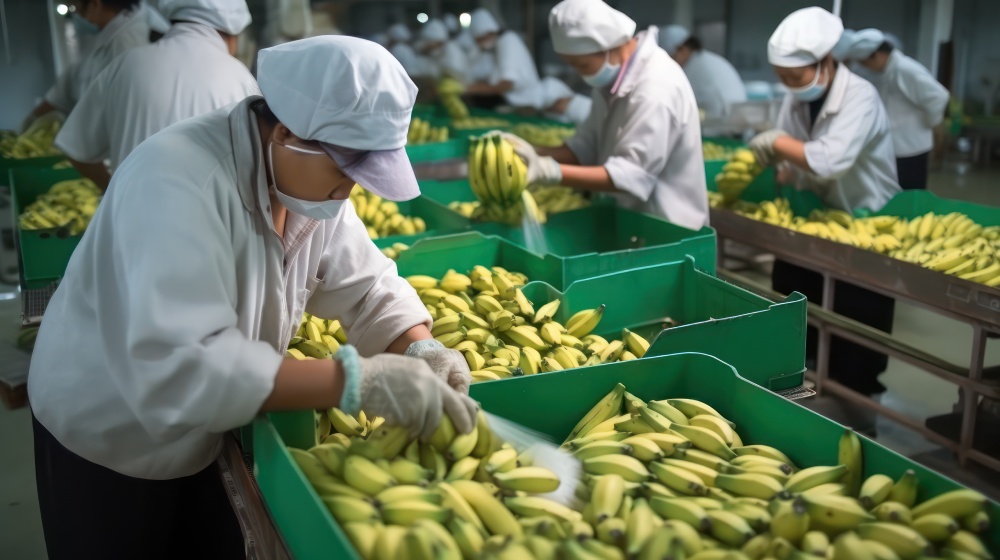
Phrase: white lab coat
x=648 y=137
x=453 y=62
x=849 y=147
x=512 y=62
x=129 y=29
x=186 y=73
x=170 y=324
x=409 y=59
x=716 y=84
x=914 y=101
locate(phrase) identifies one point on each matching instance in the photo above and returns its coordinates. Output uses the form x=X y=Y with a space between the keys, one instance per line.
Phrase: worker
x=914 y=101
x=169 y=326
x=833 y=139
x=128 y=102
x=560 y=103
x=459 y=34
x=445 y=57
x=716 y=83
x=513 y=73
x=642 y=139
x=119 y=25
x=400 y=47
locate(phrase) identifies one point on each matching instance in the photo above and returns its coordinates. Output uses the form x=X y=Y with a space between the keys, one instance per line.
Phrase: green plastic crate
x=44 y=254
x=7 y=164
x=455 y=148
x=552 y=404
x=714 y=166
x=910 y=204
x=600 y=239
x=764 y=340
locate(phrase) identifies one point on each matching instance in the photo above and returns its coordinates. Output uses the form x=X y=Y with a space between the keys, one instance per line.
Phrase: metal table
x=442 y=170
x=962 y=300
x=261 y=538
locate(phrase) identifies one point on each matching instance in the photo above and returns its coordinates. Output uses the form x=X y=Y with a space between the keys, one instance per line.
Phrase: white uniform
x=512 y=62
x=129 y=29
x=716 y=84
x=648 y=137
x=849 y=147
x=914 y=101
x=179 y=302
x=186 y=73
x=453 y=61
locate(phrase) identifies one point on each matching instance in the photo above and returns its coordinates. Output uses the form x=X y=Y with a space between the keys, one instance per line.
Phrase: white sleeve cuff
x=630 y=178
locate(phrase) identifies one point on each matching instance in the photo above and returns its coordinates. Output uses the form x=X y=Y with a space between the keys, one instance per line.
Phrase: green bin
x=7 y=164
x=911 y=204
x=454 y=148
x=599 y=239
x=552 y=404
x=44 y=254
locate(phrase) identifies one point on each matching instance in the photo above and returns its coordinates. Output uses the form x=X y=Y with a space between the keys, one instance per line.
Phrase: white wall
x=30 y=70
x=977 y=50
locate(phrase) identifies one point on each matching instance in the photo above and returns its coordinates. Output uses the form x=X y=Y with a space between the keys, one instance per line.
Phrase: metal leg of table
x=971 y=397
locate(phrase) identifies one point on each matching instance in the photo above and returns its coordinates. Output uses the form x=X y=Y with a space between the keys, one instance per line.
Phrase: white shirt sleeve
x=645 y=142
x=62 y=94
x=513 y=60
x=361 y=287
x=835 y=152
x=584 y=142
x=85 y=136
x=183 y=365
x=920 y=87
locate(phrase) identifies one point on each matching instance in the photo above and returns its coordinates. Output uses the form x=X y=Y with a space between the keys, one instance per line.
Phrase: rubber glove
x=542 y=170
x=763 y=146
x=448 y=364
x=405 y=391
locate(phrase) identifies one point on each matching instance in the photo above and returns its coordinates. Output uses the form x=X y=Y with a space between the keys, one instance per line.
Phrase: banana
x=363 y=536
x=957 y=504
x=463 y=469
x=531 y=506
x=366 y=476
x=729 y=528
x=814 y=476
x=749 y=461
x=714 y=424
x=346 y=509
x=607 y=495
x=692 y=408
x=893 y=512
x=594 y=437
x=642 y=522
x=501 y=461
x=874 y=490
x=849 y=546
x=521 y=336
x=409 y=512
x=969 y=543
x=497 y=518
x=758 y=547
x=758 y=517
x=611 y=531
x=546 y=312
x=533 y=480
x=706 y=474
x=667 y=410
x=629 y=468
x=681 y=509
x=407 y=492
x=978 y=522
x=706 y=440
x=904 y=541
x=551 y=333
x=749 y=485
x=815 y=543
x=668 y=443
x=608 y=407
x=904 y=491
x=789 y=520
x=679 y=480
x=835 y=513
x=849 y=453
x=935 y=527
x=409 y=472
x=462 y=509
x=643 y=449
x=583 y=322
x=636 y=344
x=332 y=456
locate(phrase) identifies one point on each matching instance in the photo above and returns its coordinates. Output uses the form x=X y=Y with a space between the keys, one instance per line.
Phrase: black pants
x=912 y=171
x=855 y=366
x=89 y=511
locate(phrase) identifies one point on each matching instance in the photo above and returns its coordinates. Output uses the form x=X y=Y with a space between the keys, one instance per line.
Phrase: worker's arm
x=96 y=172
x=40 y=110
x=419 y=332
x=792 y=151
x=483 y=88
x=593 y=178
x=303 y=384
x=562 y=154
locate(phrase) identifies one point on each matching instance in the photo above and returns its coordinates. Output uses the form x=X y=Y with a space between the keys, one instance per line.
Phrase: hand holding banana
x=498 y=177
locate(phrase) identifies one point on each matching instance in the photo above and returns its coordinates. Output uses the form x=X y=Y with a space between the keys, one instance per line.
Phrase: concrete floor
x=910 y=390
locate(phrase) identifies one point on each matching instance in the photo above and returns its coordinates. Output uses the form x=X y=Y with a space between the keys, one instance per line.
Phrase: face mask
x=317 y=210
x=489 y=45
x=83 y=26
x=811 y=92
x=604 y=76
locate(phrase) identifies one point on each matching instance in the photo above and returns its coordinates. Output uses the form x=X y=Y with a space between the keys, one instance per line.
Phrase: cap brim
x=387 y=173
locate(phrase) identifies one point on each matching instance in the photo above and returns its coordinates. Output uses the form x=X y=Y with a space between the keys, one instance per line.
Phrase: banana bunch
x=673 y=479
x=396 y=250
x=67 y=203
x=456 y=496
x=382 y=217
x=485 y=316
x=450 y=86
x=950 y=243
x=548 y=199
x=479 y=122
x=538 y=135
x=712 y=151
x=421 y=132
x=737 y=174
x=498 y=178
x=316 y=339
x=452 y=102
x=37 y=141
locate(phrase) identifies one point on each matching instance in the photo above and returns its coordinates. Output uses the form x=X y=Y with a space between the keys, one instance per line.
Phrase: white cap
x=804 y=38
x=840 y=50
x=399 y=33
x=354 y=98
x=228 y=16
x=587 y=27
x=483 y=23
x=451 y=22
x=672 y=37
x=434 y=31
x=858 y=45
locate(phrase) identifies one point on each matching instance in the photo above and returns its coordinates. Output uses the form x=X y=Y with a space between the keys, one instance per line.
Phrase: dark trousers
x=912 y=171
x=855 y=366
x=89 y=511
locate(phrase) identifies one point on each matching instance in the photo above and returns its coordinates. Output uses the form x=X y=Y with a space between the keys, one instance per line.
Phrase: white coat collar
x=247 y=152
x=635 y=66
x=191 y=28
x=835 y=98
x=119 y=23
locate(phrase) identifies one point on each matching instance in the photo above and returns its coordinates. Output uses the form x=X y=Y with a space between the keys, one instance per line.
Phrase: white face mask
x=813 y=91
x=603 y=77
x=488 y=45
x=317 y=210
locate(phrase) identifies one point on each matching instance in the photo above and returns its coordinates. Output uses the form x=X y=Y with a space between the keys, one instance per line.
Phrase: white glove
x=404 y=391
x=448 y=364
x=763 y=146
x=542 y=170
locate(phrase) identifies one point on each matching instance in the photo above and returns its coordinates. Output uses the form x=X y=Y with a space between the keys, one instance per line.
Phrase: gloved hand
x=405 y=391
x=448 y=364
x=542 y=170
x=763 y=146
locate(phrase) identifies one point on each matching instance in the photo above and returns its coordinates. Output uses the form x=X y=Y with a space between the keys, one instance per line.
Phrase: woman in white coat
x=128 y=102
x=833 y=139
x=642 y=140
x=170 y=325
x=119 y=25
x=914 y=100
x=512 y=71
x=445 y=57
x=715 y=82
